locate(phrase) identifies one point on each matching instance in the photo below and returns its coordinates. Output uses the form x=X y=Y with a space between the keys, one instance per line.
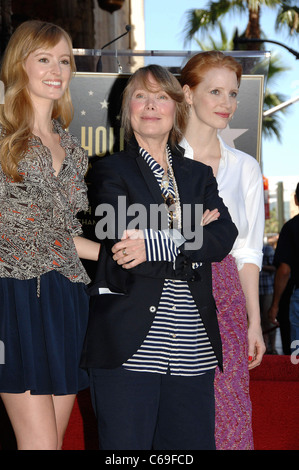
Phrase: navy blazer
x=119 y=322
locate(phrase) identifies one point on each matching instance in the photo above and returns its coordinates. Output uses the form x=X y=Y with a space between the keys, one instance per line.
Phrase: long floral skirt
x=233 y=404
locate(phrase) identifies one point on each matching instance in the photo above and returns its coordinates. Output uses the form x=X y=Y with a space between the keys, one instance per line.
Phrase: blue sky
x=164 y=24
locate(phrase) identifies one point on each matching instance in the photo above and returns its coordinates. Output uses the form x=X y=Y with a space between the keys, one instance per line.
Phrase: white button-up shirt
x=240 y=185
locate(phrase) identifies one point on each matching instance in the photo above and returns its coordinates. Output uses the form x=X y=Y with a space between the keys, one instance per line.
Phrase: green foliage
x=203 y=20
x=288 y=17
x=207 y=20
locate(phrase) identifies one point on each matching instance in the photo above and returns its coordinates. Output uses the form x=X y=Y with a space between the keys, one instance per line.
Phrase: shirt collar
x=225 y=149
x=154 y=165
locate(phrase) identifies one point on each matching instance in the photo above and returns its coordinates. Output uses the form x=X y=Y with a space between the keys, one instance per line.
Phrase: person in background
x=283 y=320
x=44 y=302
x=266 y=288
x=152 y=342
x=286 y=260
x=210 y=81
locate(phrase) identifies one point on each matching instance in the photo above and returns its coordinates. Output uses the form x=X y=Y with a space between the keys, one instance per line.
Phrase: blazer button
x=152 y=309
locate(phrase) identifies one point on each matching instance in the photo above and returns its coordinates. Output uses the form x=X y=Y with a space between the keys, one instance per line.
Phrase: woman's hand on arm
x=130 y=251
x=209 y=216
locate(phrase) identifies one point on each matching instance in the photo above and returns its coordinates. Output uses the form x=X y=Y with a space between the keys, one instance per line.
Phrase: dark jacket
x=119 y=322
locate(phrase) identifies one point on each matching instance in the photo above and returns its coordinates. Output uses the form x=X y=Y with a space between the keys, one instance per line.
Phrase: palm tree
x=204 y=19
x=224 y=45
x=288 y=16
x=208 y=19
x=272 y=123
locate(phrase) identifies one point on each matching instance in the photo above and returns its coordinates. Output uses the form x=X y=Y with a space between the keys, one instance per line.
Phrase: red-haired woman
x=211 y=84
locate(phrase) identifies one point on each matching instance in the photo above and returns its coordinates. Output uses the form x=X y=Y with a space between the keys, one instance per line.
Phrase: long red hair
x=193 y=72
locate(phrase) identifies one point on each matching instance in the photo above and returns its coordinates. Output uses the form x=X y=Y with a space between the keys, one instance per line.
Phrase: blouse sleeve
x=79 y=200
x=248 y=248
x=159 y=246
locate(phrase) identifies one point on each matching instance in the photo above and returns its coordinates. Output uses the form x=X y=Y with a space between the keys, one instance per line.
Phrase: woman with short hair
x=152 y=343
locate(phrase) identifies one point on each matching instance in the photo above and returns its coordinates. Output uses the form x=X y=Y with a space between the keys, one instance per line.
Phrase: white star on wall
x=104 y=104
x=229 y=135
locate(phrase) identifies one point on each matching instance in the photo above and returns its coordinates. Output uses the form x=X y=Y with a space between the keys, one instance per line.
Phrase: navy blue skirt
x=42 y=337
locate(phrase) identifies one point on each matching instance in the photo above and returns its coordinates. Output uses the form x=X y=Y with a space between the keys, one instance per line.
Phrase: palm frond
x=211 y=44
x=288 y=16
x=271 y=125
x=197 y=20
x=275 y=68
x=202 y=20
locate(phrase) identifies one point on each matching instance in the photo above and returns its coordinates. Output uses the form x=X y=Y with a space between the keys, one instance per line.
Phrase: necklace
x=165 y=180
x=173 y=204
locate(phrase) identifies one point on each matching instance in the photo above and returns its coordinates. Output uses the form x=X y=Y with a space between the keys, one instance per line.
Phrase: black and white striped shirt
x=177 y=340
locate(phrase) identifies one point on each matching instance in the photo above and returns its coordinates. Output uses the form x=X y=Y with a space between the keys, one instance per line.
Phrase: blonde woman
x=44 y=304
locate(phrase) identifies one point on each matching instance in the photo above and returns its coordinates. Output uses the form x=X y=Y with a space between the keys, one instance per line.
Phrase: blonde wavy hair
x=16 y=114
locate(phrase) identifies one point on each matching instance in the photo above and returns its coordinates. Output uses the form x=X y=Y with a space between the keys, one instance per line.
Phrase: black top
x=287 y=250
x=119 y=322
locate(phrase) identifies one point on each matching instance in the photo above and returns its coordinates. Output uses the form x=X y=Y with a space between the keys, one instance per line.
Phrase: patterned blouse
x=38 y=215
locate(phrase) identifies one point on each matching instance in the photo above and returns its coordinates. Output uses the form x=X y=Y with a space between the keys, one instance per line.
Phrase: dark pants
x=144 y=411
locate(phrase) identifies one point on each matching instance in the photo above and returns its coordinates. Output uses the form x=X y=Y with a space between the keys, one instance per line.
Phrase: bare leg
x=63 y=406
x=39 y=421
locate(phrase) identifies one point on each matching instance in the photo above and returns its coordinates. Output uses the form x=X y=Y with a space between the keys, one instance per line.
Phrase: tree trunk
x=253 y=29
